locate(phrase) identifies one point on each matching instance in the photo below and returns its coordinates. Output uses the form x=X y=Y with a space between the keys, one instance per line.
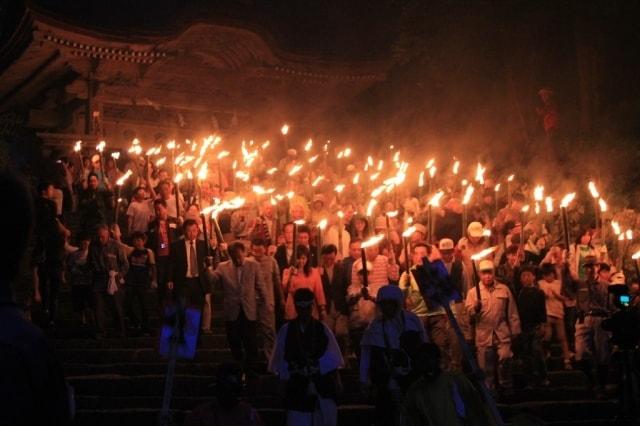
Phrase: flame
x=339 y=188
x=497 y=188
x=392 y=213
x=308 y=145
x=616 y=227
x=409 y=231
x=284 y=129
x=202 y=173
x=100 y=146
x=266 y=144
x=371 y=206
x=636 y=255
x=161 y=161
x=370 y=161
x=525 y=209
x=123 y=178
x=313 y=159
x=465 y=182
x=467 y=195
x=78 y=146
x=377 y=191
x=567 y=200
x=593 y=190
x=234 y=165
x=259 y=190
x=290 y=194
x=396 y=156
x=223 y=154
x=171 y=145
x=480 y=174
x=272 y=170
x=340 y=214
x=189 y=175
x=295 y=169
x=356 y=178
x=322 y=224
x=511 y=178
x=603 y=205
x=629 y=234
x=178 y=178
x=538 y=193
x=549 y=204
x=456 y=167
x=243 y=176
x=317 y=181
x=421 y=179
x=484 y=253
x=430 y=163
x=374 y=176
x=435 y=200
x=621 y=237
x=380 y=165
x=299 y=222
x=372 y=241
x=486 y=232
x=347 y=152
x=432 y=171
x=115 y=155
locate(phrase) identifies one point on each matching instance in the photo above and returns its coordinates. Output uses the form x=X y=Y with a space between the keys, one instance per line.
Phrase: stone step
x=207 y=341
x=111 y=356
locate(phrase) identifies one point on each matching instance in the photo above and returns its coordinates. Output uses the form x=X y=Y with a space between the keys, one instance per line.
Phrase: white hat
x=292 y=152
x=475 y=229
x=486 y=265
x=446 y=244
x=420 y=228
x=618 y=278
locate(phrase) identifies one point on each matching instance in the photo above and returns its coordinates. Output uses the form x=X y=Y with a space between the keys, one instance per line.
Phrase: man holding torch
x=496 y=322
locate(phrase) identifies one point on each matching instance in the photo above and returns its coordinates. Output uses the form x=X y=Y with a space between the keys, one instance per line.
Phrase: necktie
x=193 y=260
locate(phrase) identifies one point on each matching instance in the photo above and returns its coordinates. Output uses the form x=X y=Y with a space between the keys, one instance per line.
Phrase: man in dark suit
x=163 y=232
x=285 y=251
x=334 y=285
x=188 y=266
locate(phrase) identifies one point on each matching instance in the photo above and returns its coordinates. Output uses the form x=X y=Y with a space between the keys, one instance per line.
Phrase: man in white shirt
x=139 y=213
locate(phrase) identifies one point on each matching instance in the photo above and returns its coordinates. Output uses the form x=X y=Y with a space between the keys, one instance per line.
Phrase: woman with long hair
x=302 y=275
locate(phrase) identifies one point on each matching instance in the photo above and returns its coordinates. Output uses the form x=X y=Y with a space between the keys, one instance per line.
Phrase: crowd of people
x=320 y=279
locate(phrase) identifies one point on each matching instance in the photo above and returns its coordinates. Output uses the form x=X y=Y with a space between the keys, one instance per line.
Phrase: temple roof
x=198 y=68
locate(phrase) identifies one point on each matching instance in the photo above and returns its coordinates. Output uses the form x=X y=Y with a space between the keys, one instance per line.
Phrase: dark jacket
x=105 y=258
x=335 y=291
x=531 y=307
x=153 y=234
x=178 y=264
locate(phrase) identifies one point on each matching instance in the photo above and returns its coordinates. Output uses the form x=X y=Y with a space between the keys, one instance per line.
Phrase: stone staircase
x=121 y=381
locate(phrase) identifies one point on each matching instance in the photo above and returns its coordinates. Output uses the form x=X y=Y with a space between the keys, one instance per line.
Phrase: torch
x=405 y=240
x=176 y=180
x=388 y=217
x=465 y=201
x=340 y=226
x=565 y=218
x=285 y=130
x=433 y=202
x=221 y=155
x=603 y=229
x=363 y=256
x=77 y=148
x=474 y=258
x=509 y=180
x=523 y=220
x=496 y=191
x=294 y=254
x=119 y=184
x=421 y=184
x=596 y=196
x=205 y=234
x=321 y=226
x=100 y=149
x=636 y=258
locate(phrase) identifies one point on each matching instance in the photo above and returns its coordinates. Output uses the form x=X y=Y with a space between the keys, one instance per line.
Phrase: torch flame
x=284 y=129
x=223 y=154
x=636 y=255
x=392 y=213
x=435 y=200
x=322 y=224
x=567 y=200
x=432 y=171
x=549 y=204
x=484 y=253
x=593 y=190
x=124 y=177
x=372 y=241
x=538 y=193
x=356 y=178
x=421 y=179
x=629 y=234
x=497 y=188
x=371 y=206
x=100 y=146
x=511 y=178
x=161 y=161
x=339 y=188
x=480 y=174
x=115 y=155
x=467 y=195
x=295 y=169
x=430 y=163
x=603 y=205
x=202 y=173
x=317 y=181
x=409 y=231
x=308 y=145
x=616 y=227
x=340 y=214
x=525 y=209
x=313 y=159
x=456 y=167
x=178 y=178
x=299 y=222
x=171 y=145
x=78 y=146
